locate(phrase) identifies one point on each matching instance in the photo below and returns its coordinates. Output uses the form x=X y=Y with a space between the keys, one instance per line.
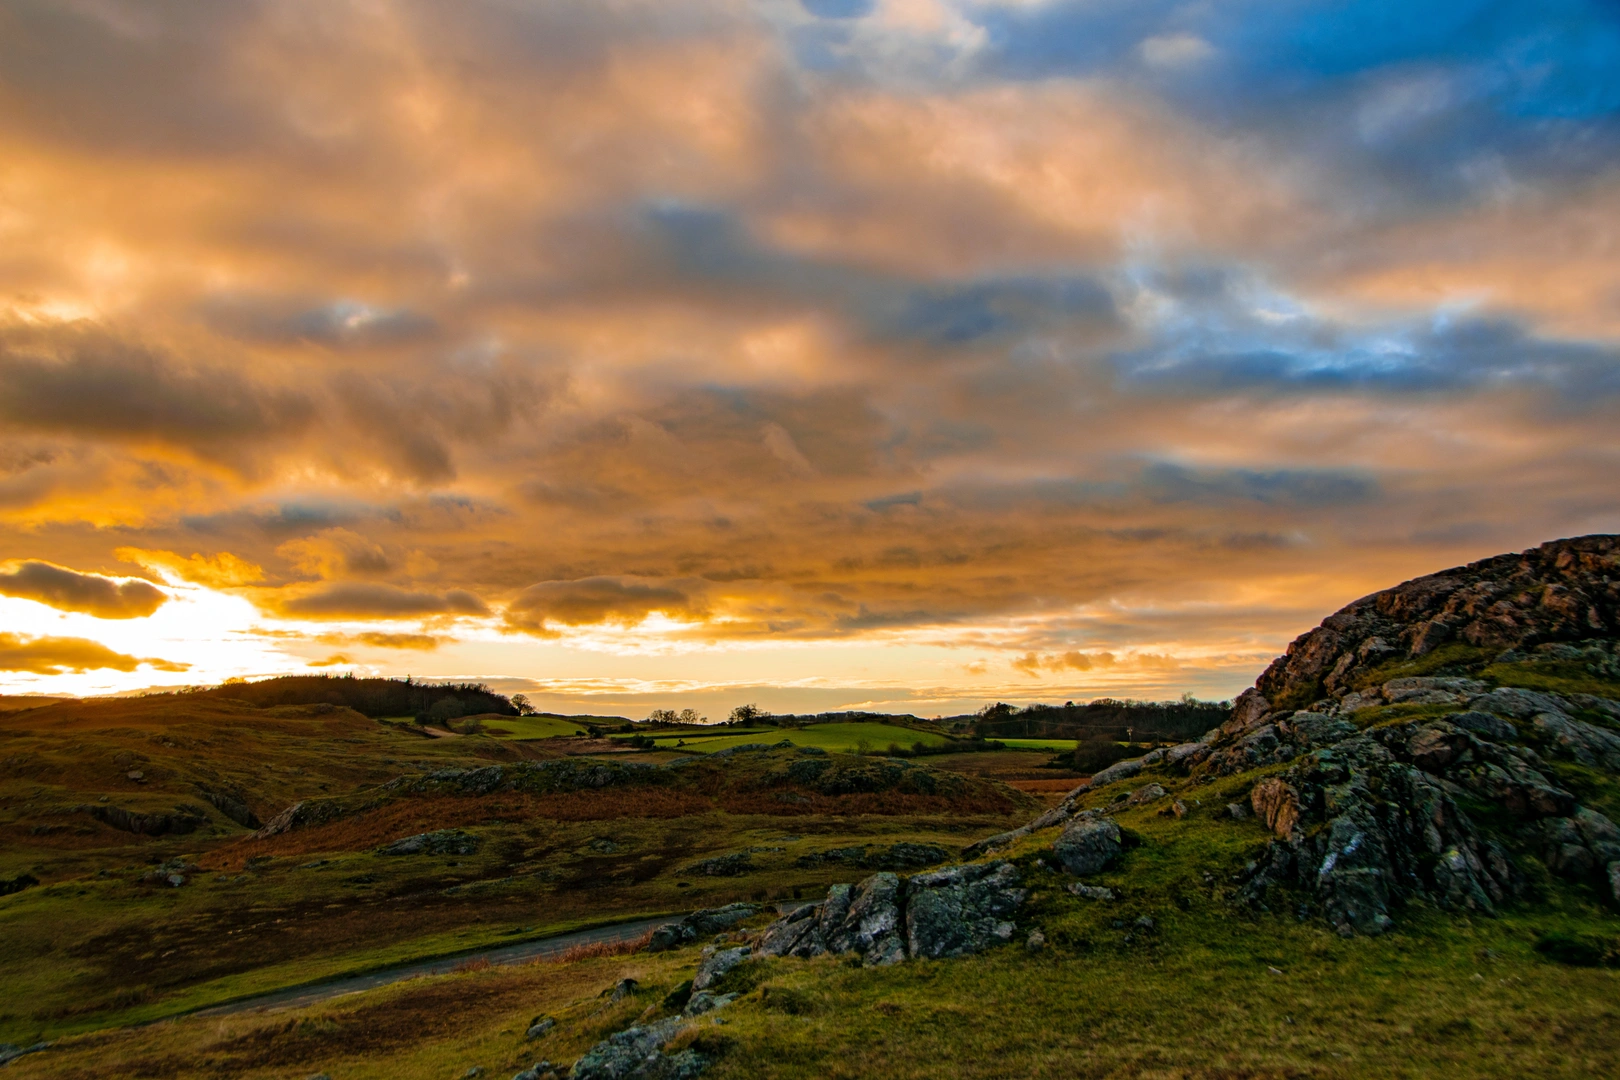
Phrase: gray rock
x=1614 y=880
x=715 y=963
x=1361 y=699
x=1517 y=704
x=1601 y=835
x=442 y=842
x=539 y=1026
x=1119 y=770
x=1586 y=743
x=1186 y=755
x=1091 y=892
x=631 y=1052
x=1484 y=723
x=1152 y=757
x=1035 y=942
x=947 y=912
x=1088 y=845
x=1238 y=811
x=1308 y=729
x=704 y=1002
x=732 y=865
x=1430 y=690
x=1146 y=794
x=874 y=922
x=700 y=924
x=961 y=909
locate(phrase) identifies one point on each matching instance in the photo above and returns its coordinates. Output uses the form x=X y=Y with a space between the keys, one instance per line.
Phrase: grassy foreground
x=1202 y=996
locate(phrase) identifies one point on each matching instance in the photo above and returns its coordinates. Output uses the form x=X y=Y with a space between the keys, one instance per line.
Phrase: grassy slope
x=1196 y=997
x=95 y=944
x=844 y=738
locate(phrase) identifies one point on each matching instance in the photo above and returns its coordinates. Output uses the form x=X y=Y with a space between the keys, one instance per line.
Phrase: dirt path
x=300 y=996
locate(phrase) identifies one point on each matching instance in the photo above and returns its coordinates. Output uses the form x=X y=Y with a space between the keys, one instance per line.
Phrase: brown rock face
x=1566 y=590
x=1277 y=804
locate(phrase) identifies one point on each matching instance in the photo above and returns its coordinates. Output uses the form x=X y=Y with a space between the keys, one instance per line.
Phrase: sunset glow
x=894 y=354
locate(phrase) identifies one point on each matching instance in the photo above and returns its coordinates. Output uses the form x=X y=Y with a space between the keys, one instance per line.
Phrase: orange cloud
x=219 y=571
x=91 y=594
x=57 y=655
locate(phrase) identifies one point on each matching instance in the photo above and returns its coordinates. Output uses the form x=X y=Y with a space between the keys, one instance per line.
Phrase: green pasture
x=846 y=738
x=531 y=727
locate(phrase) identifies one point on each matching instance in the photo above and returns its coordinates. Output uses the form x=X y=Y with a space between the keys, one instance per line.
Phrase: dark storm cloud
x=90 y=594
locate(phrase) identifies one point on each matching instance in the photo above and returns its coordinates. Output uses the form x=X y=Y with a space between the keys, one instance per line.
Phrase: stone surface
x=1088 y=845
x=1119 y=770
x=442 y=842
x=700 y=924
x=885 y=918
x=539 y=1026
x=1146 y=794
x=715 y=963
x=1276 y=803
x=961 y=909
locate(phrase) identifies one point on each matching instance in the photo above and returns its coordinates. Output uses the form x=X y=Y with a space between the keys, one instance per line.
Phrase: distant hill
x=370 y=697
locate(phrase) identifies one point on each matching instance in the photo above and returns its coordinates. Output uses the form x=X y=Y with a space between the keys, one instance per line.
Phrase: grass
x=96 y=944
x=1038 y=744
x=533 y=727
x=1213 y=990
x=845 y=738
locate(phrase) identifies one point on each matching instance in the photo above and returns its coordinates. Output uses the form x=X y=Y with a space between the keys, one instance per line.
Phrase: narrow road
x=309 y=994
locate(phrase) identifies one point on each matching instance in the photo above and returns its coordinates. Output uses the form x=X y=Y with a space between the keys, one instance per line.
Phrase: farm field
x=843 y=738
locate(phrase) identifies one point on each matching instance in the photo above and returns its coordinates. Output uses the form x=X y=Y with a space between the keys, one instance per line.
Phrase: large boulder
x=962 y=909
x=886 y=918
x=700 y=924
x=1088 y=844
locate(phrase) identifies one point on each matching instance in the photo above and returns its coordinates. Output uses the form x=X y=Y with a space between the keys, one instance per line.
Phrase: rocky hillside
x=1453 y=739
x=1542 y=603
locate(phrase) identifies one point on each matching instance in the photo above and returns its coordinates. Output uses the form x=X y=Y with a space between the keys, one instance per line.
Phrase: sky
x=906 y=355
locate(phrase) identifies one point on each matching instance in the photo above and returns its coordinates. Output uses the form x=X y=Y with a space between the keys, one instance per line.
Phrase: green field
x=532 y=727
x=846 y=738
x=1037 y=744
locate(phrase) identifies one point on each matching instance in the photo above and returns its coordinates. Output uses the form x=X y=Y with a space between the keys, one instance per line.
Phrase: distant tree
x=746 y=714
x=690 y=716
x=522 y=703
x=662 y=716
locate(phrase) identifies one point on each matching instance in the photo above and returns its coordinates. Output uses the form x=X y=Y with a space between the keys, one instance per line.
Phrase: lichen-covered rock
x=886 y=918
x=1145 y=794
x=1088 y=844
x=961 y=909
x=875 y=922
x=1389 y=832
x=700 y=924
x=1119 y=770
x=1276 y=803
x=633 y=1052
x=441 y=842
x=715 y=963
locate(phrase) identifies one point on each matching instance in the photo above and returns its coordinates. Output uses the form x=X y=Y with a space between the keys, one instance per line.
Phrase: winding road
x=311 y=993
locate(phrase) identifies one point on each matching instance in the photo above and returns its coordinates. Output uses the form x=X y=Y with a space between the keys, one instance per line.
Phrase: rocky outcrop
x=442 y=842
x=1088 y=844
x=637 y=1052
x=181 y=821
x=700 y=924
x=886 y=918
x=1562 y=598
x=901 y=856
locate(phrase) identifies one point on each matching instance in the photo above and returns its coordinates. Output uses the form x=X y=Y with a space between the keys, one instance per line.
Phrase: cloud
x=219 y=571
x=381 y=639
x=597 y=600
x=83 y=382
x=58 y=655
x=335 y=660
x=90 y=594
x=358 y=600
